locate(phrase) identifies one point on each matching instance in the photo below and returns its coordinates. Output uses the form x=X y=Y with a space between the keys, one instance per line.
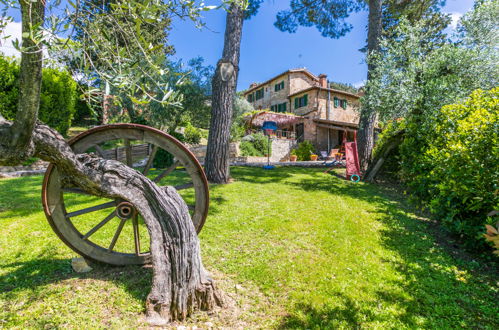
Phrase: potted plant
x=313 y=157
x=292 y=156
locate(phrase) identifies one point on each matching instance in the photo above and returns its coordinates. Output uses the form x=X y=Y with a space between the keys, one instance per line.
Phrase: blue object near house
x=272 y=125
x=269 y=126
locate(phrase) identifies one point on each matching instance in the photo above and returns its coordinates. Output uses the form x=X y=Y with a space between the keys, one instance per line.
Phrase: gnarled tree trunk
x=368 y=116
x=381 y=155
x=224 y=85
x=180 y=282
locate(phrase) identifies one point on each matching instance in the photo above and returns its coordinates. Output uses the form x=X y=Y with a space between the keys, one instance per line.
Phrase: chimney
x=253 y=85
x=323 y=80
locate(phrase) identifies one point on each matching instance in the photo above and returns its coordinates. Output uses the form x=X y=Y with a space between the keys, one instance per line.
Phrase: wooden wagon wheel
x=111 y=231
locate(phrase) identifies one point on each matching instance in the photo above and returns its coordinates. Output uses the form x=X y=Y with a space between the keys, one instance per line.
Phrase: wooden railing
x=139 y=151
x=280 y=134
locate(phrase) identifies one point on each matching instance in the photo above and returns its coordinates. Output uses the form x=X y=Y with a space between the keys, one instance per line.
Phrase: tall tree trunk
x=368 y=116
x=18 y=138
x=180 y=282
x=224 y=85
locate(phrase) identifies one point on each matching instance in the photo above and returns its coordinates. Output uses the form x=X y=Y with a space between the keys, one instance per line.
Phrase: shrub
x=192 y=135
x=248 y=149
x=8 y=87
x=57 y=98
x=464 y=158
x=258 y=145
x=163 y=158
x=304 y=150
x=449 y=161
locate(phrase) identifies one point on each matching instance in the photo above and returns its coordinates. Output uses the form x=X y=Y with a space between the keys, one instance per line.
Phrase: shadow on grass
x=44 y=271
x=259 y=175
x=446 y=286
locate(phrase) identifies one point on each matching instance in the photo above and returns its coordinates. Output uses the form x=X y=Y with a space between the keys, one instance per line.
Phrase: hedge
x=57 y=98
x=450 y=163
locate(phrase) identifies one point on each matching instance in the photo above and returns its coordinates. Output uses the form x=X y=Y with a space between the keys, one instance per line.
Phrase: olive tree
x=180 y=282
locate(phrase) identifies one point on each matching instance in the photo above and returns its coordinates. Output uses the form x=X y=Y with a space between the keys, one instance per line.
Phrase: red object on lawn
x=352 y=158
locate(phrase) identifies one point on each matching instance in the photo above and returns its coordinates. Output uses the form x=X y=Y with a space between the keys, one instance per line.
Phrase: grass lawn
x=291 y=248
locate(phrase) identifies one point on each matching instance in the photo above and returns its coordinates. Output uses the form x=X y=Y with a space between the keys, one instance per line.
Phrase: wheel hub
x=125 y=210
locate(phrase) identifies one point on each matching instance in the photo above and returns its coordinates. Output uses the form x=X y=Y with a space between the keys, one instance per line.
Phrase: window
x=278 y=107
x=251 y=97
x=279 y=86
x=301 y=101
x=259 y=94
x=344 y=104
x=336 y=102
x=281 y=107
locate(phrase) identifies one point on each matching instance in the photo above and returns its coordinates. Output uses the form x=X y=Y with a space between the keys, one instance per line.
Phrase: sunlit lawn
x=303 y=250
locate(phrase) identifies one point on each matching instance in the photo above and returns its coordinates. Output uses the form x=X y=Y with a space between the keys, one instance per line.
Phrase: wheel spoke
x=128 y=153
x=91 y=209
x=100 y=224
x=136 y=237
x=117 y=234
x=184 y=186
x=150 y=160
x=166 y=172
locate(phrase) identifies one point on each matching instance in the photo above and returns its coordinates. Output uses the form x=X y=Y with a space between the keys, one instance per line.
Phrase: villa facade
x=326 y=113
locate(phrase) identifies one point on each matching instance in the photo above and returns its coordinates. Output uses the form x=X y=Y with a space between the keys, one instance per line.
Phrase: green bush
x=304 y=150
x=192 y=135
x=9 y=89
x=464 y=161
x=449 y=161
x=163 y=158
x=258 y=146
x=57 y=98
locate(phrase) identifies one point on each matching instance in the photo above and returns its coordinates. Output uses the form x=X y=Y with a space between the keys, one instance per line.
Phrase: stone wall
x=293 y=82
x=349 y=115
x=300 y=81
x=200 y=151
x=281 y=149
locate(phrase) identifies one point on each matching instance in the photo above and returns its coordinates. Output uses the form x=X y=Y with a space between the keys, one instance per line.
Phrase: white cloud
x=455 y=16
x=11 y=32
x=359 y=84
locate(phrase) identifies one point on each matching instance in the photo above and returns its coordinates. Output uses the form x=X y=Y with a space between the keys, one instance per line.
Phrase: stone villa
x=326 y=114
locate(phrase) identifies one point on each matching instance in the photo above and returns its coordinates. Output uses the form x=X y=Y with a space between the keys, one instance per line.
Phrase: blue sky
x=265 y=51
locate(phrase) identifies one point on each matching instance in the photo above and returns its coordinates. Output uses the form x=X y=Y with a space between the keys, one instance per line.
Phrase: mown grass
x=294 y=248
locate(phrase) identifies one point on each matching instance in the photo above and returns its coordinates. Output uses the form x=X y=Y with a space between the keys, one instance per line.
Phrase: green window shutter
x=346 y=104
x=305 y=100
x=296 y=102
x=336 y=102
x=284 y=107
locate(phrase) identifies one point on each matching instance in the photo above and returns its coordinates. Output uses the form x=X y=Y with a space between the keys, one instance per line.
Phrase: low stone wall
x=16 y=171
x=247 y=159
x=38 y=166
x=280 y=152
x=281 y=149
x=200 y=151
